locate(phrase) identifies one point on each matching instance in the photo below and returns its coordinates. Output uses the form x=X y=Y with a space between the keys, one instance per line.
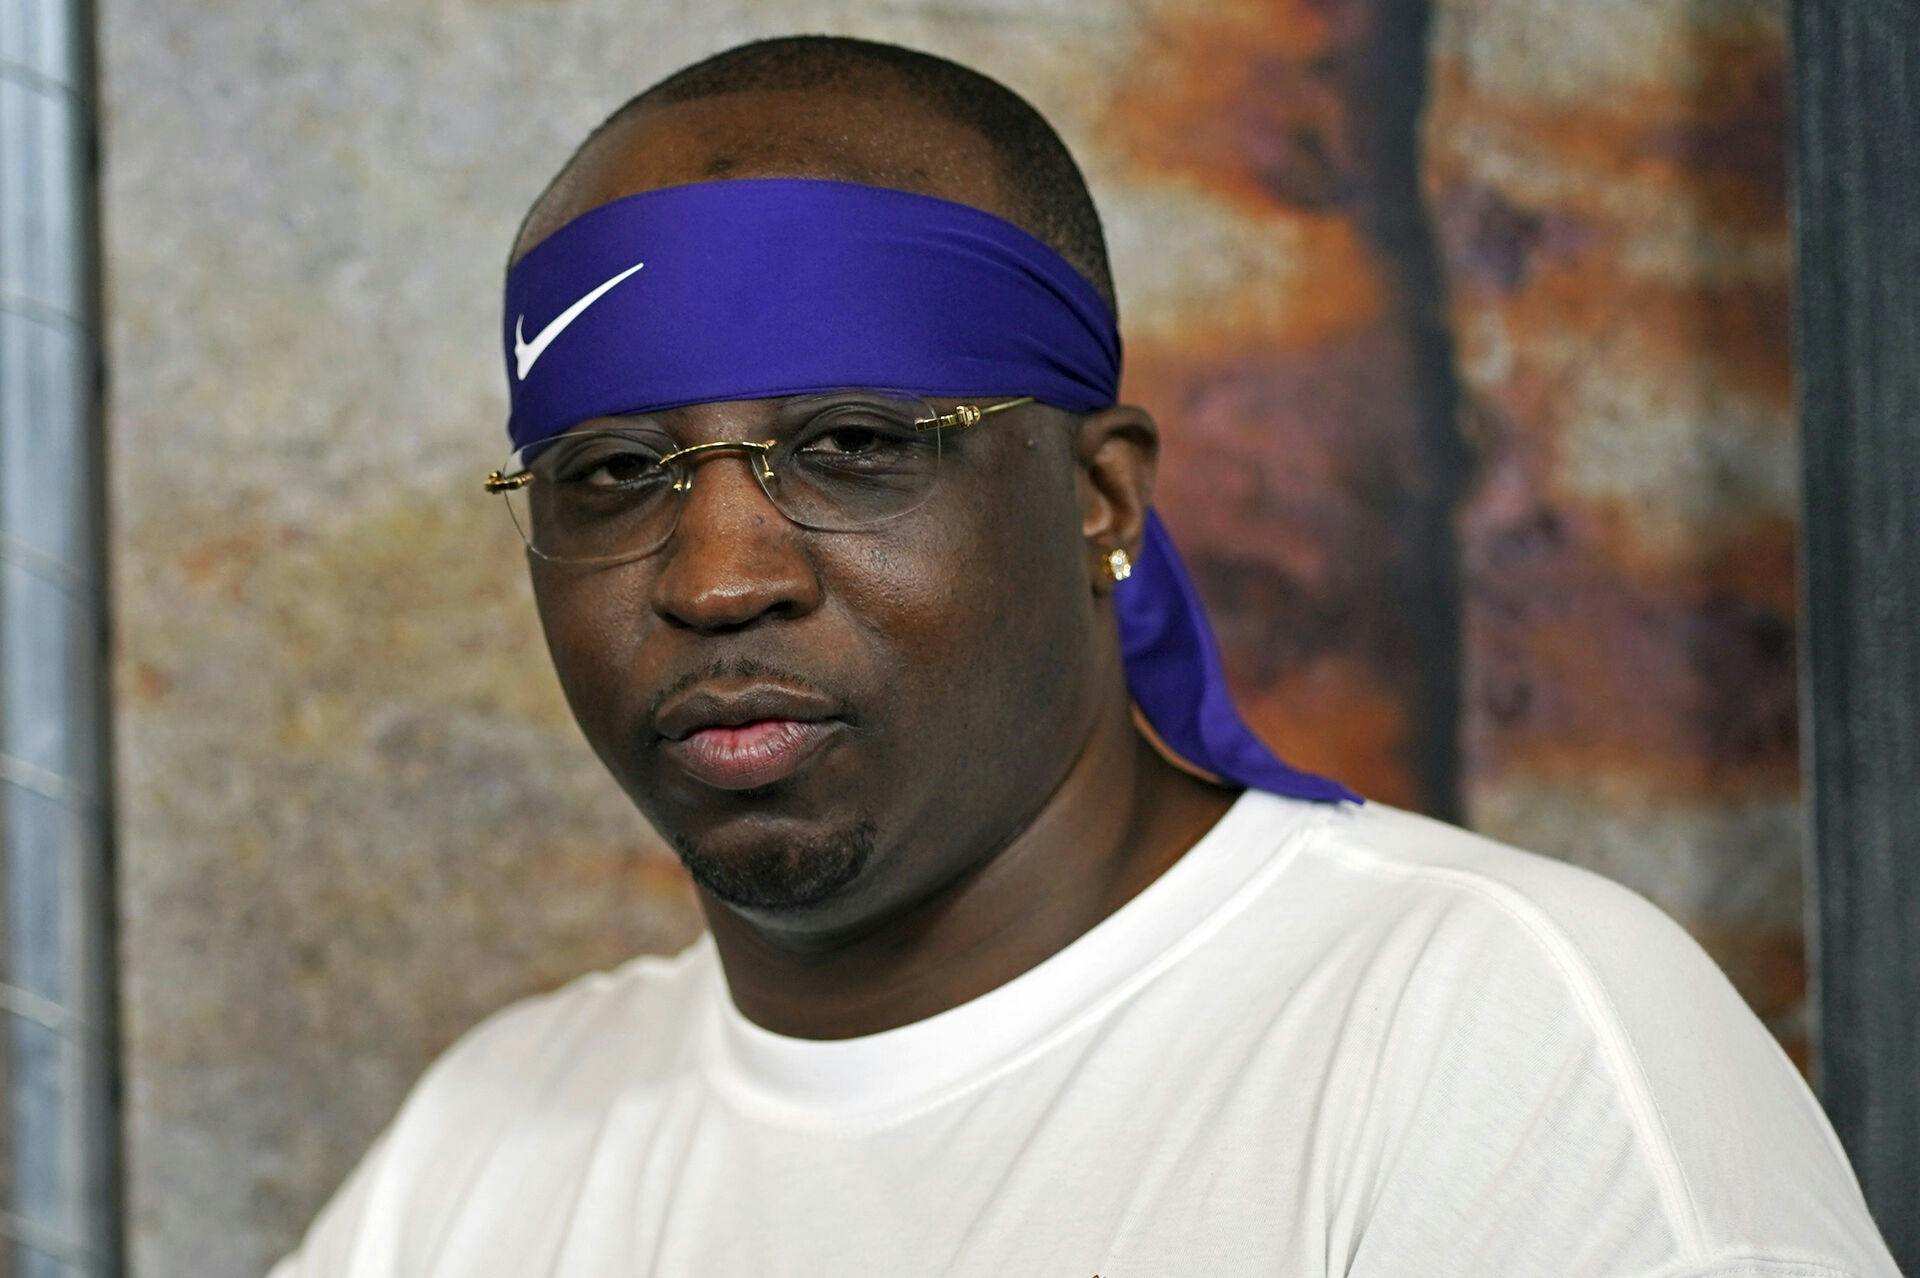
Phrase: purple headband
x=762 y=288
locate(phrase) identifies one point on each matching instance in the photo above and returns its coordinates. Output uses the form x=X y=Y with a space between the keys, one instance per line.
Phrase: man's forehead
x=873 y=136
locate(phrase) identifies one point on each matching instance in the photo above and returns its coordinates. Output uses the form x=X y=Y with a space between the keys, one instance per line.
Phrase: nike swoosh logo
x=525 y=352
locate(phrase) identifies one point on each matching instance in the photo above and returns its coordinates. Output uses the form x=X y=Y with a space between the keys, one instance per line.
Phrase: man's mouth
x=742 y=738
x=751 y=755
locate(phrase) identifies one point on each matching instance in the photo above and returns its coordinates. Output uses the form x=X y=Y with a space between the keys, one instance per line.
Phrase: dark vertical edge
x=109 y=1166
x=1395 y=82
x=1856 y=195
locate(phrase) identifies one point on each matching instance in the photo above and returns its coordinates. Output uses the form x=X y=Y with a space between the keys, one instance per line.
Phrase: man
x=1024 y=956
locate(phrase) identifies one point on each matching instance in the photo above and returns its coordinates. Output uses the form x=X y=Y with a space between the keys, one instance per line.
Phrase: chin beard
x=786 y=876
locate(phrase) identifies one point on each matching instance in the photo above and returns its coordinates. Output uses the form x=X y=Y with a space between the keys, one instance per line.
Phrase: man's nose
x=733 y=559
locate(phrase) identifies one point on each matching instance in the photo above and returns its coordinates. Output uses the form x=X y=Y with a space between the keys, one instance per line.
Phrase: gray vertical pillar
x=58 y=1199
x=1857 y=204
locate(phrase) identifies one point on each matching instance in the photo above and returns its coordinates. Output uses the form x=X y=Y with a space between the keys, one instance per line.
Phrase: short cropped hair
x=1048 y=194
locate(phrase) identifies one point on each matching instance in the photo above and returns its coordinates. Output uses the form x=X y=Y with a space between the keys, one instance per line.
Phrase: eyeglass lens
x=608 y=495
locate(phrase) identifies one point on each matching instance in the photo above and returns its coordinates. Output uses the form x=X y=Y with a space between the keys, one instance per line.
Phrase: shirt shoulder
x=602 y=1030
x=1551 y=1006
x=540 y=1073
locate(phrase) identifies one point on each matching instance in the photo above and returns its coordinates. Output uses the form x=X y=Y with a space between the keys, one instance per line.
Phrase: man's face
x=840 y=722
x=952 y=661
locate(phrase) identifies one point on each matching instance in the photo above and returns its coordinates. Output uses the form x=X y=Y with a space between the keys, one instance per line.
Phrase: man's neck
x=1082 y=857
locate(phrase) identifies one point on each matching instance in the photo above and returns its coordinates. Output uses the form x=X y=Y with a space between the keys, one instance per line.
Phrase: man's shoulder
x=1503 y=925
x=1524 y=982
x=597 y=1033
x=526 y=1087
x=1393 y=844
x=1568 y=923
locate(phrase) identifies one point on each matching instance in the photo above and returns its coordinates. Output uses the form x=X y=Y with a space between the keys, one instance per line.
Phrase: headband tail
x=1174 y=673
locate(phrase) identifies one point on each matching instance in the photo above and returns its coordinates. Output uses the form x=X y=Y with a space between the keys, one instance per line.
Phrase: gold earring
x=1119 y=567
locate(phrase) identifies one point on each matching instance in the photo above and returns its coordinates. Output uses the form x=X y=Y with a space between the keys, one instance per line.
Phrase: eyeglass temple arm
x=965 y=415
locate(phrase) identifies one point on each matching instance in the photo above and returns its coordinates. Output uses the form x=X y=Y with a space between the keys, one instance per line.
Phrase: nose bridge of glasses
x=720 y=502
x=680 y=463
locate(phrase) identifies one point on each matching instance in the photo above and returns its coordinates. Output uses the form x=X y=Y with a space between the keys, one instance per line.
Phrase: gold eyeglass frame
x=960 y=417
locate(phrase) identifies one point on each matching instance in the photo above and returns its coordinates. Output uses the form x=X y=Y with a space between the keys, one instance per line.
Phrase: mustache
x=739 y=668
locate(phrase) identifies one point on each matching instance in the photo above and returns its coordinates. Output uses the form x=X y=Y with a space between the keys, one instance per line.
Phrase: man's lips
x=736 y=737
x=751 y=755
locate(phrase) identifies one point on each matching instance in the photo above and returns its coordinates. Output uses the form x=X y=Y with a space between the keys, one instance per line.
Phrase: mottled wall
x=1483 y=457
x=1609 y=187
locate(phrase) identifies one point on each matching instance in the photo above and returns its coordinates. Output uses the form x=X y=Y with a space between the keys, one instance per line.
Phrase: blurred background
x=1467 y=322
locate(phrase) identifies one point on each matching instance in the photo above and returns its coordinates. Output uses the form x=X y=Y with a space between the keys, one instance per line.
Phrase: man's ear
x=1117 y=450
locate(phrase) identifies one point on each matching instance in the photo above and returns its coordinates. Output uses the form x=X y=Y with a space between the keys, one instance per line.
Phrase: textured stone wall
x=1608 y=183
x=1483 y=458
x=1296 y=355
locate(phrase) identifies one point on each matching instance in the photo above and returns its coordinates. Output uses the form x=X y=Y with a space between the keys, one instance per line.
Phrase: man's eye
x=617 y=466
x=626 y=468
x=850 y=441
x=856 y=437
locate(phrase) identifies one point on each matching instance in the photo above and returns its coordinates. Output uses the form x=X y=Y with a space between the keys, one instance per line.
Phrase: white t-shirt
x=1328 y=1040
